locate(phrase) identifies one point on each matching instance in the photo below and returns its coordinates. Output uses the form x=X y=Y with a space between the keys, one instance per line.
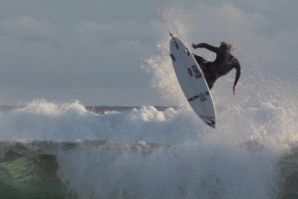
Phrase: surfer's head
x=225 y=46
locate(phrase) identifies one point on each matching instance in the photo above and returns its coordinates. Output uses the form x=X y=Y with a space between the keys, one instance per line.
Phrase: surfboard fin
x=172 y=56
x=187 y=51
x=176 y=45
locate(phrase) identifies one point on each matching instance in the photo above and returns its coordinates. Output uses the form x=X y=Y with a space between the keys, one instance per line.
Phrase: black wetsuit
x=221 y=66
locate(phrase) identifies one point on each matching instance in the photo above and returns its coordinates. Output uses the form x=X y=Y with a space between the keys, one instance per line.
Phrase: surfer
x=222 y=65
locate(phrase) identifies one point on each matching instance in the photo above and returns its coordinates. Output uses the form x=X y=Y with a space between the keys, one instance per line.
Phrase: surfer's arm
x=207 y=46
x=238 y=73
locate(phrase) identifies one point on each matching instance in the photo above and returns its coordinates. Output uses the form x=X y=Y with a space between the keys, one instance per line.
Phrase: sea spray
x=150 y=153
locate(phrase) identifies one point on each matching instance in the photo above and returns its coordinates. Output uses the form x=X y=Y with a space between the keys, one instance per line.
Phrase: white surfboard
x=192 y=81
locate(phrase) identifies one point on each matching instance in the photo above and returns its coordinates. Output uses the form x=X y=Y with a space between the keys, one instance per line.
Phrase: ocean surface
x=68 y=151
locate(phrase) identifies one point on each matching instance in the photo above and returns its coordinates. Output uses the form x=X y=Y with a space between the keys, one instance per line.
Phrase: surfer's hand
x=234 y=89
x=194 y=45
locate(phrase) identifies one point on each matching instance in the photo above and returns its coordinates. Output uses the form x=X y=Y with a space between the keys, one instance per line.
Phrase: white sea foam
x=199 y=163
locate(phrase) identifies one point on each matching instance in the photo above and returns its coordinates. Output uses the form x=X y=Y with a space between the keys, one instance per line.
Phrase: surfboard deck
x=192 y=81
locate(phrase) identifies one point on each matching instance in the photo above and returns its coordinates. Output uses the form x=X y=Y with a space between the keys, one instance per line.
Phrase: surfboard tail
x=210 y=121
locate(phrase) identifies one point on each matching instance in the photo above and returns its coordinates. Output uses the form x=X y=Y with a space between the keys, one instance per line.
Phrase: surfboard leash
x=170 y=17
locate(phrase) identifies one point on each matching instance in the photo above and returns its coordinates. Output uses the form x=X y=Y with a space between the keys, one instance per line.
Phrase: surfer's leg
x=201 y=61
x=210 y=85
x=210 y=79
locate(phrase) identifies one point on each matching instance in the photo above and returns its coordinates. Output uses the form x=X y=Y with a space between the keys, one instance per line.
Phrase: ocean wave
x=144 y=152
x=109 y=169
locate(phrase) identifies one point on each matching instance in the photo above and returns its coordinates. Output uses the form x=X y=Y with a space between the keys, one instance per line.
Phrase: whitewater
x=64 y=150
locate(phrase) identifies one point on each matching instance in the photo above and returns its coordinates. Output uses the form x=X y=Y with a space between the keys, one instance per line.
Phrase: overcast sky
x=114 y=52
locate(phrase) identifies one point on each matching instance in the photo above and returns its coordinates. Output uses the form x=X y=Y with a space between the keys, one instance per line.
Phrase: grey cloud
x=67 y=49
x=26 y=26
x=87 y=55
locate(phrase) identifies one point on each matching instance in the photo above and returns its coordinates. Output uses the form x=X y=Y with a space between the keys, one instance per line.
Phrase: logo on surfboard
x=198 y=74
x=194 y=71
x=202 y=97
x=190 y=72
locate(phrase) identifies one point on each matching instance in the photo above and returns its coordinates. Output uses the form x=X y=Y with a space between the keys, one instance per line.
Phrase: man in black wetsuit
x=221 y=66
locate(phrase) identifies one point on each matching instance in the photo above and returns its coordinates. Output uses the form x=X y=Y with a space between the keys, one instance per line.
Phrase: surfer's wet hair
x=224 y=45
